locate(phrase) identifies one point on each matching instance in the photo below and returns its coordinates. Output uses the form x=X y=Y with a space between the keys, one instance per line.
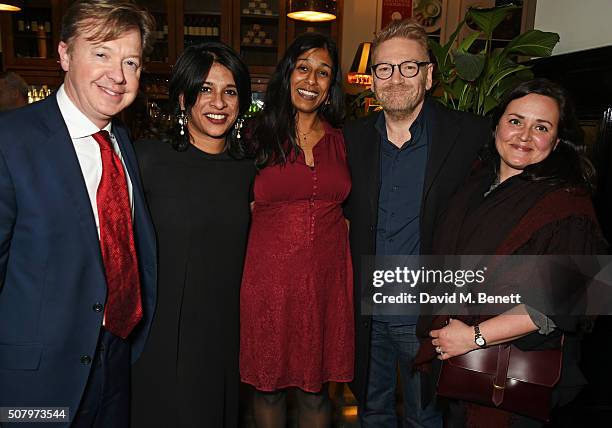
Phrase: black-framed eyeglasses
x=407 y=69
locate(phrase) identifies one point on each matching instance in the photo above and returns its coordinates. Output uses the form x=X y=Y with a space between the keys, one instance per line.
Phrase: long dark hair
x=274 y=130
x=567 y=164
x=191 y=71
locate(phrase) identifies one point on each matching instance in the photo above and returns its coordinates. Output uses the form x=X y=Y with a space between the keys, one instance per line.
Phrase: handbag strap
x=501 y=371
x=501 y=374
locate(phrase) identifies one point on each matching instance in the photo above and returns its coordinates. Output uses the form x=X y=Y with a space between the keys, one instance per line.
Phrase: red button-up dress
x=296 y=303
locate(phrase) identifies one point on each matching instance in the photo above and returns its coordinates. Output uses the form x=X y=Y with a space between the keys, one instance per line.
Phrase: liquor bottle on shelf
x=208 y=23
x=207 y=30
x=212 y=24
x=215 y=29
x=195 y=26
x=42 y=41
x=204 y=26
x=201 y=31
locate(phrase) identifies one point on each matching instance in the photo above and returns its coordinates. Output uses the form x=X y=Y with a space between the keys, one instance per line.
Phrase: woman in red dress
x=296 y=303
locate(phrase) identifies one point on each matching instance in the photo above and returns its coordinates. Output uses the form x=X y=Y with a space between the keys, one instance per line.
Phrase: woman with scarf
x=529 y=196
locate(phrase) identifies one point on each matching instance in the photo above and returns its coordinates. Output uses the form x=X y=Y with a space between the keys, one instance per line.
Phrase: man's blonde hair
x=107 y=20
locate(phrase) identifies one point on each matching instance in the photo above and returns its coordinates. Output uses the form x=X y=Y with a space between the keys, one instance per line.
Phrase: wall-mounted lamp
x=11 y=6
x=312 y=10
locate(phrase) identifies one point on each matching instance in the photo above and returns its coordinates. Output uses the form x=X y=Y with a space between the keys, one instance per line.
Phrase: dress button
x=98 y=307
x=85 y=360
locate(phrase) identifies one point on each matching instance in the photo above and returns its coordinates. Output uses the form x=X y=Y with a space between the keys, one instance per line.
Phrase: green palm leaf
x=533 y=43
x=469 y=66
x=488 y=19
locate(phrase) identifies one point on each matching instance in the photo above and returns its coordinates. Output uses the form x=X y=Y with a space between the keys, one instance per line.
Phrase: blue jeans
x=391 y=345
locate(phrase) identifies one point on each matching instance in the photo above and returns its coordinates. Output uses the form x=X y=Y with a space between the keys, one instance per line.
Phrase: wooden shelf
x=201 y=36
x=254 y=16
x=31 y=36
x=204 y=13
x=250 y=45
x=172 y=17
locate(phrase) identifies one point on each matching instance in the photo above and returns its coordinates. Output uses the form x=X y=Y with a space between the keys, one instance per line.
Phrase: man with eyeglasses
x=406 y=162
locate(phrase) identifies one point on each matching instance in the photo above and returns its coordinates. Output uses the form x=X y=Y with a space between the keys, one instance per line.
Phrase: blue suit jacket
x=51 y=270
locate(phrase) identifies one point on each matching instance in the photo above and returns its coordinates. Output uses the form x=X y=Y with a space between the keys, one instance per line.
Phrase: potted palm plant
x=475 y=82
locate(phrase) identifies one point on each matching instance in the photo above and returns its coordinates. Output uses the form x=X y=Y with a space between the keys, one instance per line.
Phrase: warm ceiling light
x=10 y=6
x=312 y=10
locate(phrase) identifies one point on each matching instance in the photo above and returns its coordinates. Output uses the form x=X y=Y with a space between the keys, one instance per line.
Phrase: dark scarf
x=502 y=222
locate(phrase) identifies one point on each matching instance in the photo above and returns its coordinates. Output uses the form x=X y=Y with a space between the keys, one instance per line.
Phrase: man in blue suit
x=77 y=248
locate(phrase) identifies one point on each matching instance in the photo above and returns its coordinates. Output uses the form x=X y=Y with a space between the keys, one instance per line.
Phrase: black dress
x=188 y=374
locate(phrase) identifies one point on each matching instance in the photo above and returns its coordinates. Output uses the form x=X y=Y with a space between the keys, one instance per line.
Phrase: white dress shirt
x=87 y=149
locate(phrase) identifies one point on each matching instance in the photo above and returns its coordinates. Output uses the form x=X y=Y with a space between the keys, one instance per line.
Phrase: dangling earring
x=327 y=101
x=238 y=127
x=182 y=121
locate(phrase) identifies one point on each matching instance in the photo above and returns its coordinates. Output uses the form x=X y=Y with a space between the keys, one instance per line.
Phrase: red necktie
x=123 y=304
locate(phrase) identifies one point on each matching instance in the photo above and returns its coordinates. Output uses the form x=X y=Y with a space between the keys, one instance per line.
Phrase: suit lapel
x=59 y=152
x=372 y=165
x=144 y=234
x=443 y=130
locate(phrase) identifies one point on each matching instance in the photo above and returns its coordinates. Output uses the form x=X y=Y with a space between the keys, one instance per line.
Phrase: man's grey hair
x=407 y=29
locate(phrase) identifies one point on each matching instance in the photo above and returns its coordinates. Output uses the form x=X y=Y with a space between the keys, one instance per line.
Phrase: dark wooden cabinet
x=258 y=33
x=259 y=30
x=182 y=23
x=262 y=31
x=29 y=41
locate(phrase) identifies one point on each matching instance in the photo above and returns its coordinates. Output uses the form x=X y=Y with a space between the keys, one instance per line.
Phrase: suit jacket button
x=85 y=360
x=366 y=323
x=98 y=307
x=371 y=228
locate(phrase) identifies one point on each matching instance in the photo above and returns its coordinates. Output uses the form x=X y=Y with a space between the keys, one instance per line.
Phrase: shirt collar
x=79 y=125
x=416 y=129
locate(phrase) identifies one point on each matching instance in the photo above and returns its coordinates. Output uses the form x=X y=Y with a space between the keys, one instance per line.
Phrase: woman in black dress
x=197 y=186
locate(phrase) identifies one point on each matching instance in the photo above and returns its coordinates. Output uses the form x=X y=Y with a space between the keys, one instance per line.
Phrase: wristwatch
x=479 y=338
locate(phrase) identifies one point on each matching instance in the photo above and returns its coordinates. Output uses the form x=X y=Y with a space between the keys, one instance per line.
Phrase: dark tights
x=314 y=409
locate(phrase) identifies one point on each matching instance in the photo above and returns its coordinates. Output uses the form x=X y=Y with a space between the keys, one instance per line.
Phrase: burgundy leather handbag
x=505 y=377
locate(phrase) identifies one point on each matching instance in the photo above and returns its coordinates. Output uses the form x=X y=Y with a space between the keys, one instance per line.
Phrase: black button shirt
x=402 y=174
